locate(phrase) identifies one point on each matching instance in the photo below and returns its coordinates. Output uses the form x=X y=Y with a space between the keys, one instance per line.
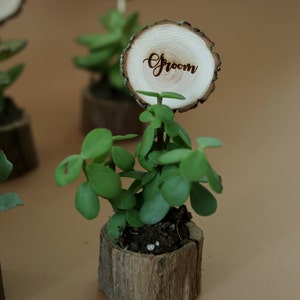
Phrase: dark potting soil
x=10 y=112
x=166 y=236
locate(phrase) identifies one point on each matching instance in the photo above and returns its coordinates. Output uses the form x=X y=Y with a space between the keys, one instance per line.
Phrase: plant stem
x=121 y=6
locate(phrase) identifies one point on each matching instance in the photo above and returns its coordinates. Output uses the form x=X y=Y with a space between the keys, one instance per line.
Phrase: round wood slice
x=9 y=9
x=170 y=57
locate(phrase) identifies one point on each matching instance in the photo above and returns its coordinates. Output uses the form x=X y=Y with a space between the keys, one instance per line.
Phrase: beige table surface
x=252 y=243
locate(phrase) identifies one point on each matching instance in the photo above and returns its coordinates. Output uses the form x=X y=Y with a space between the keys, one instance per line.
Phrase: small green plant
x=11 y=199
x=105 y=49
x=172 y=172
x=8 y=77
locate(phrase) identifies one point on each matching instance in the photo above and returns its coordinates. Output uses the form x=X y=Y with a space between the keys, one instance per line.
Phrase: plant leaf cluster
x=104 y=50
x=11 y=199
x=8 y=77
x=172 y=172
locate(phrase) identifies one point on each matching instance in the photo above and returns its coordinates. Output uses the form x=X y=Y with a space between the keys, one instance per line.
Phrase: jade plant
x=105 y=49
x=164 y=171
x=11 y=199
x=8 y=77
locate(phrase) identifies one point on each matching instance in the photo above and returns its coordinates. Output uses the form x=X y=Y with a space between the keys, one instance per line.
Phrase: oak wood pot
x=17 y=142
x=127 y=275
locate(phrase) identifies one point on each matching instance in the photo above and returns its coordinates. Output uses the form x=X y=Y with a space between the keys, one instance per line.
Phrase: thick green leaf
x=97 y=41
x=116 y=225
x=146 y=116
x=214 y=180
x=194 y=166
x=148 y=93
x=183 y=139
x=13 y=73
x=113 y=20
x=87 y=202
x=122 y=158
x=147 y=140
x=133 y=174
x=208 y=142
x=171 y=129
x=174 y=156
x=132 y=217
x=5 y=166
x=115 y=77
x=172 y=95
x=124 y=137
x=104 y=180
x=154 y=209
x=9 y=201
x=164 y=113
x=68 y=170
x=125 y=200
x=97 y=142
x=94 y=61
x=175 y=190
x=10 y=48
x=202 y=200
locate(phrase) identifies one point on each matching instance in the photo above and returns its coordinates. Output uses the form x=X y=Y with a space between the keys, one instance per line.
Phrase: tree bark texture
x=2 y=295
x=127 y=275
x=121 y=117
x=17 y=143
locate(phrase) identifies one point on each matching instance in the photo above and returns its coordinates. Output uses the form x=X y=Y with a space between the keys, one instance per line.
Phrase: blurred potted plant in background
x=7 y=201
x=105 y=101
x=15 y=132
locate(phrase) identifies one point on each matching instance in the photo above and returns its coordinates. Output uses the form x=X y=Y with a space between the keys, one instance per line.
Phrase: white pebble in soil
x=150 y=247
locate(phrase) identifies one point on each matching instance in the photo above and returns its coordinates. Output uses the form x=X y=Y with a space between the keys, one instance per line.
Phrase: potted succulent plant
x=149 y=245
x=7 y=201
x=15 y=132
x=105 y=101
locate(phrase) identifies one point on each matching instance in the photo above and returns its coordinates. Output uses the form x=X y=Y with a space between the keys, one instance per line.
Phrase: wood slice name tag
x=9 y=8
x=173 y=57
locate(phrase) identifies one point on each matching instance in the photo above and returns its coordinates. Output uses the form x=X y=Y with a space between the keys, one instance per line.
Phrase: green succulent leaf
x=174 y=156
x=148 y=93
x=146 y=116
x=11 y=75
x=194 y=166
x=202 y=200
x=122 y=158
x=214 y=180
x=10 y=48
x=175 y=190
x=208 y=142
x=9 y=201
x=115 y=77
x=147 y=140
x=172 y=95
x=116 y=225
x=97 y=143
x=124 y=137
x=5 y=166
x=154 y=209
x=94 y=61
x=164 y=113
x=104 y=180
x=113 y=20
x=132 y=217
x=125 y=200
x=87 y=202
x=171 y=129
x=182 y=139
x=68 y=170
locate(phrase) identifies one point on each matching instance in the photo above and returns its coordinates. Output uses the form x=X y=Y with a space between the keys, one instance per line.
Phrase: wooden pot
x=127 y=275
x=17 y=143
x=120 y=115
x=2 y=295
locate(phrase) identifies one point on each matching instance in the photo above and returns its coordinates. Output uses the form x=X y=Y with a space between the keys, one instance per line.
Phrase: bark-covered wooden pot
x=17 y=142
x=129 y=275
x=118 y=112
